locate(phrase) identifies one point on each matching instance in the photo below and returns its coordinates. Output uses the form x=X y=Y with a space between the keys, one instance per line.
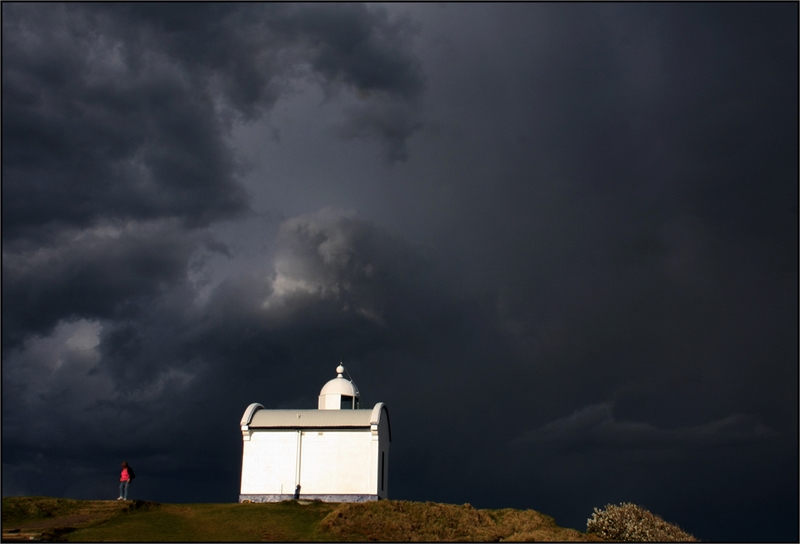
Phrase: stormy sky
x=559 y=241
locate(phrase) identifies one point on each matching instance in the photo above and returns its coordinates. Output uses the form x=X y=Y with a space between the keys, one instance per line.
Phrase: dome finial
x=339 y=370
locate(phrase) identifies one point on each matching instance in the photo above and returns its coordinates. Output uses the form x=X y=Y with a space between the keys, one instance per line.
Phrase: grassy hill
x=44 y=518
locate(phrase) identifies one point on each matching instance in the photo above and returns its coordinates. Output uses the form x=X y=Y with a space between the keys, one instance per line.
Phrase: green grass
x=406 y=521
x=109 y=521
x=36 y=509
x=288 y=521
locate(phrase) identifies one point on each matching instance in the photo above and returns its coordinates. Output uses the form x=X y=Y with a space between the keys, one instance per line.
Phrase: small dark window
x=347 y=402
x=356 y=403
x=382 y=478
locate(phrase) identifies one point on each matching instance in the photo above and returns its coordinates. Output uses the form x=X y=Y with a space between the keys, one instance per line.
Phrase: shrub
x=631 y=523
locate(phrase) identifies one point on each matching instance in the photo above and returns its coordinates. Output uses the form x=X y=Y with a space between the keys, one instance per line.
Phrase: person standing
x=125 y=478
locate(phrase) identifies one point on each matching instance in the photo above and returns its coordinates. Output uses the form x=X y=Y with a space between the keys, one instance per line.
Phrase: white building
x=337 y=453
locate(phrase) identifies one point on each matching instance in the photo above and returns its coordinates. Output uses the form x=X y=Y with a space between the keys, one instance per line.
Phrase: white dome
x=340 y=386
x=339 y=393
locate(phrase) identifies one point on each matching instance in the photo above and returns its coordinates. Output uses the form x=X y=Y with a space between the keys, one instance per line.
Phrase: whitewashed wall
x=269 y=462
x=331 y=462
x=337 y=462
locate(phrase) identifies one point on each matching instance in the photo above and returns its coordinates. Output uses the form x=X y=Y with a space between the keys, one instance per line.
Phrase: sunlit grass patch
x=405 y=521
x=288 y=521
x=214 y=522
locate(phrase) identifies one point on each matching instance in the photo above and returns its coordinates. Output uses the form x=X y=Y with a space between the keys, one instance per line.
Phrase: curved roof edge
x=375 y=417
x=340 y=386
x=248 y=414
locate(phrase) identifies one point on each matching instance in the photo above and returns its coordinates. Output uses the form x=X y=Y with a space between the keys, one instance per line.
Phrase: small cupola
x=339 y=393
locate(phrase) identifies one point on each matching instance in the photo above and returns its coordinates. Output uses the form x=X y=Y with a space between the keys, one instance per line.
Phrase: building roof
x=311 y=418
x=256 y=417
x=340 y=385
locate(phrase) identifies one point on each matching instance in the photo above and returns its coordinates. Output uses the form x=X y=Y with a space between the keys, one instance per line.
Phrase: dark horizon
x=559 y=241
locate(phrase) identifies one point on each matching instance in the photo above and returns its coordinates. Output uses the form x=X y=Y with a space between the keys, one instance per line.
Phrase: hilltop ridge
x=64 y=520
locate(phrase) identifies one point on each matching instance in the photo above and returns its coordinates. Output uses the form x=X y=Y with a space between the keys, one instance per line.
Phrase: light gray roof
x=259 y=418
x=311 y=418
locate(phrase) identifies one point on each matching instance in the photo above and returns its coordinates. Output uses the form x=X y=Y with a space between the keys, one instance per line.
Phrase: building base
x=277 y=497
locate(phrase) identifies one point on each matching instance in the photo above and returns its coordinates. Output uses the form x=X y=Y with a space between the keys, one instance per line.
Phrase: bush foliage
x=631 y=523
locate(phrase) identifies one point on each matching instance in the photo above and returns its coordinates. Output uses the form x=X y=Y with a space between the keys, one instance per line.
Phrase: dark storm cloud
x=119 y=113
x=361 y=48
x=96 y=128
x=351 y=286
x=105 y=273
x=597 y=426
x=333 y=275
x=113 y=111
x=394 y=123
x=632 y=243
